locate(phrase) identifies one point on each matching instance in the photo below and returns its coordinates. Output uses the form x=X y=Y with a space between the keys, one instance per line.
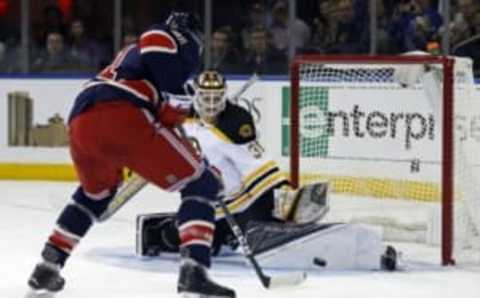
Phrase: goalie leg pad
x=338 y=246
x=156 y=233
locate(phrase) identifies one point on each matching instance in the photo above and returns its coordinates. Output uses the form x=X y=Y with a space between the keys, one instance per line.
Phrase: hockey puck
x=319 y=262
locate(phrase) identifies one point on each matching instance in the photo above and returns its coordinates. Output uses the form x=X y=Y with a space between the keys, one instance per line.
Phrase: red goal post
x=313 y=75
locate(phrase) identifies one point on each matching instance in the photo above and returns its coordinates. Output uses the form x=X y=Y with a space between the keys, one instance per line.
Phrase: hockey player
x=122 y=119
x=226 y=134
x=258 y=194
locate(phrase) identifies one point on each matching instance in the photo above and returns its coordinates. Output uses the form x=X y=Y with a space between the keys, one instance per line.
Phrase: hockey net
x=400 y=156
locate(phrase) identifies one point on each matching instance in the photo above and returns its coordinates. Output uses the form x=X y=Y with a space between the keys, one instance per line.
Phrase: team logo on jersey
x=246 y=131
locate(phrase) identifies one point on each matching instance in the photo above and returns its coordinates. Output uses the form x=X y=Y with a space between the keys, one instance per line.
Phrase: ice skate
x=45 y=281
x=194 y=282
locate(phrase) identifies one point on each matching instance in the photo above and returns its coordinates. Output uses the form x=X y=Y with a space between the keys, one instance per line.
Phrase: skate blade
x=197 y=295
x=39 y=294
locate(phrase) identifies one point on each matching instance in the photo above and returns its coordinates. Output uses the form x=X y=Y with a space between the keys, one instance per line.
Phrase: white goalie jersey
x=231 y=146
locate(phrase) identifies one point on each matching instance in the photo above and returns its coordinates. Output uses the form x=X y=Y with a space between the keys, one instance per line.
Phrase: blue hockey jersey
x=159 y=63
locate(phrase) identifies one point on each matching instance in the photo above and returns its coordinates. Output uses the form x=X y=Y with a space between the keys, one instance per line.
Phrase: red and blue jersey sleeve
x=166 y=59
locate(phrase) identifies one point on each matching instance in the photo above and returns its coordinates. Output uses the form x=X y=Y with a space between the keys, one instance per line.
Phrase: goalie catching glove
x=307 y=204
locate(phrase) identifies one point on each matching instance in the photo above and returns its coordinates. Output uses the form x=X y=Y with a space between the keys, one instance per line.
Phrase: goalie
x=281 y=224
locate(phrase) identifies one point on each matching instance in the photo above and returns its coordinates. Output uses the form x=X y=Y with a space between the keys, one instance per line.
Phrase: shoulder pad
x=158 y=40
x=237 y=124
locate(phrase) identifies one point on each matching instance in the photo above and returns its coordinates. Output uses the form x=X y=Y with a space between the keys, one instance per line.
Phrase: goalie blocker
x=284 y=244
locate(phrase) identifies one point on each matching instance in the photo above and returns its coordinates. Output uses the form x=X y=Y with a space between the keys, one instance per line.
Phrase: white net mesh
x=379 y=144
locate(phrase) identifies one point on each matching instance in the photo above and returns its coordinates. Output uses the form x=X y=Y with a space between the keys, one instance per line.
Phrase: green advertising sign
x=314 y=137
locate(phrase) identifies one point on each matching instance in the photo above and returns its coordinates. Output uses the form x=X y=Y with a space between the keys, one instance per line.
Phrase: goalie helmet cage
x=316 y=77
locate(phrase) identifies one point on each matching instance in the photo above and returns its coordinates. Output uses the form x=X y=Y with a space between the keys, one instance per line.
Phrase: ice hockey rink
x=104 y=264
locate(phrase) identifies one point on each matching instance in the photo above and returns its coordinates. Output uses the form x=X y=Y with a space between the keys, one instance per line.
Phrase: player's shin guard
x=72 y=224
x=196 y=227
x=196 y=216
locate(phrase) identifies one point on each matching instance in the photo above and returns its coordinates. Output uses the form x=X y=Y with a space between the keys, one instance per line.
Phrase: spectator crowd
x=260 y=40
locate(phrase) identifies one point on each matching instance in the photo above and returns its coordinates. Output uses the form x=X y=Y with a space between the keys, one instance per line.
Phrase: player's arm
x=171 y=52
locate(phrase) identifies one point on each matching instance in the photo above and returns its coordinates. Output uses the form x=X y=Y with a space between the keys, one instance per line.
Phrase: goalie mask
x=210 y=100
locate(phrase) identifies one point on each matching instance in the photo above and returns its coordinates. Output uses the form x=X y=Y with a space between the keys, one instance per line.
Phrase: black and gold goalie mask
x=210 y=100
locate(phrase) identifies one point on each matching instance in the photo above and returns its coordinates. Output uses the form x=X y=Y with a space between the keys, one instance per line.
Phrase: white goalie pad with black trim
x=334 y=246
x=308 y=204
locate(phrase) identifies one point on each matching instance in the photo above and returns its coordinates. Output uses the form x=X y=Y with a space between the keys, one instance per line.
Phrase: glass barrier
x=337 y=27
x=70 y=37
x=246 y=45
x=139 y=15
x=10 y=42
x=81 y=36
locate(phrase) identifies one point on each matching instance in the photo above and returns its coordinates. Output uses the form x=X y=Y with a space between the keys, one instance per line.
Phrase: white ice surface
x=104 y=265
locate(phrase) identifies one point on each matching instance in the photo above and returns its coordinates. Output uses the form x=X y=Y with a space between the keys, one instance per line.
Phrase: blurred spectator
x=418 y=34
x=341 y=27
x=55 y=58
x=225 y=14
x=470 y=47
x=256 y=17
x=83 y=49
x=262 y=58
x=281 y=39
x=11 y=57
x=225 y=58
x=424 y=28
x=428 y=9
x=51 y=20
x=384 y=42
x=322 y=37
x=465 y=11
x=463 y=25
x=476 y=23
x=414 y=24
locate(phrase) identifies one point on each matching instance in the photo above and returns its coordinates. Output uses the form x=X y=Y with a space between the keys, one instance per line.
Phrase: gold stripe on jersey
x=255 y=186
x=247 y=199
x=260 y=171
x=217 y=132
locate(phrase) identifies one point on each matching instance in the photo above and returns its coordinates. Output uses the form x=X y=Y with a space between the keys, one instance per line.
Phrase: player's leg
x=99 y=176
x=167 y=160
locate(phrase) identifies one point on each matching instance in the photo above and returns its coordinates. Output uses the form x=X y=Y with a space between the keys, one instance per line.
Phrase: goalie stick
x=269 y=282
x=137 y=183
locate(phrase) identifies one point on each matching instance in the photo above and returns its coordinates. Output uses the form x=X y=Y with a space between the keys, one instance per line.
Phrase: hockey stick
x=245 y=87
x=268 y=282
x=137 y=183
x=125 y=193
